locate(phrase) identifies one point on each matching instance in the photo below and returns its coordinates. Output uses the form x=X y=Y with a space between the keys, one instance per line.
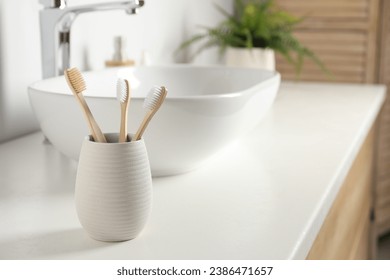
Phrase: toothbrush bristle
x=122 y=90
x=76 y=79
x=155 y=97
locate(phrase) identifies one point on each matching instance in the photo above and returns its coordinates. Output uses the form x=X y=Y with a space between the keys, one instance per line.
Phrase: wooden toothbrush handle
x=97 y=134
x=123 y=127
x=90 y=126
x=149 y=115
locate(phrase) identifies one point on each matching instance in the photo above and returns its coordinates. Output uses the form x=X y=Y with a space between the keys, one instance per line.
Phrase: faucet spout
x=56 y=20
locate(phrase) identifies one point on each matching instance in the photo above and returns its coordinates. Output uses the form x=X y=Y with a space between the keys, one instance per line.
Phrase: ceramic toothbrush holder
x=113 y=188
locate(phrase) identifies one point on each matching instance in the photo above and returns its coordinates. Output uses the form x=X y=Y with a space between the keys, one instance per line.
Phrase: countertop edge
x=306 y=240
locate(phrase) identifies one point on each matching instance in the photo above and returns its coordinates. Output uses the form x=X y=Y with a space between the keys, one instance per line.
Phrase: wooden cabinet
x=383 y=158
x=348 y=229
x=352 y=38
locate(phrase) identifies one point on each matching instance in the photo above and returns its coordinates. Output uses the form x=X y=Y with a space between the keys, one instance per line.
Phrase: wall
x=19 y=65
x=158 y=28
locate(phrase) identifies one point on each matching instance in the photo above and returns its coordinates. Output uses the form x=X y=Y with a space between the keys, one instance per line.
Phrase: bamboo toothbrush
x=152 y=103
x=123 y=96
x=77 y=84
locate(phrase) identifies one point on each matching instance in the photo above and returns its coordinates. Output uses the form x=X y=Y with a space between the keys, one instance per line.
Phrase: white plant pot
x=250 y=58
x=113 y=188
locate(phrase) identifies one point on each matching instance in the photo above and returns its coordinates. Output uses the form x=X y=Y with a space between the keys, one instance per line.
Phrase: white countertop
x=264 y=197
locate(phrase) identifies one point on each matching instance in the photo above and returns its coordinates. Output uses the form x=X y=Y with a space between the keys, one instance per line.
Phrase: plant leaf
x=257 y=23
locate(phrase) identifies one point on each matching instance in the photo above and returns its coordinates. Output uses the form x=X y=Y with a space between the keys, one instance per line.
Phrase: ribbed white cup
x=113 y=188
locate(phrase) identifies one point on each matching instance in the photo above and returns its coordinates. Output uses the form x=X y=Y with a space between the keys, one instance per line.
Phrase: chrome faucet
x=55 y=23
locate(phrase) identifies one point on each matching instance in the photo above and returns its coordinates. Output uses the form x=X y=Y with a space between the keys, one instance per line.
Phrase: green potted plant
x=252 y=35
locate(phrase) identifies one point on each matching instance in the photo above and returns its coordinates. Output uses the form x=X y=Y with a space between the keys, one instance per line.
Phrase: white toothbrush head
x=122 y=90
x=155 y=98
x=152 y=103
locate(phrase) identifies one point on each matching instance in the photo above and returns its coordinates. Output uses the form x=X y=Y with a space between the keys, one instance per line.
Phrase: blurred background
x=351 y=38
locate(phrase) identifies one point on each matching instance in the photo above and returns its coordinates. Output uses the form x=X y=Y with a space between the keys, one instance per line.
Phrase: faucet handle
x=47 y=4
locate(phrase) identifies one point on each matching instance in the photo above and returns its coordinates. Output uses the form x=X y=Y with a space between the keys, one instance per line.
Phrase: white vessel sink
x=206 y=109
